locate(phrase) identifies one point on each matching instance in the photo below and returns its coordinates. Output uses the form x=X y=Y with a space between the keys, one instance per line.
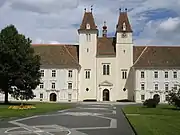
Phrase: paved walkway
x=85 y=119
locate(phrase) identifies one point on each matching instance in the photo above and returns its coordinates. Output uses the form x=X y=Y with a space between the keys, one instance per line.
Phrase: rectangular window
x=88 y=37
x=175 y=74
x=106 y=69
x=142 y=74
x=124 y=74
x=142 y=86
x=156 y=86
x=166 y=97
x=53 y=85
x=42 y=73
x=87 y=73
x=41 y=95
x=166 y=74
x=175 y=86
x=166 y=87
x=41 y=85
x=155 y=74
x=70 y=73
x=142 y=97
x=53 y=73
x=69 y=85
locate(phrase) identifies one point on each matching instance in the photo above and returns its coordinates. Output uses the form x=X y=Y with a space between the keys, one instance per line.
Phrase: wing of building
x=103 y=68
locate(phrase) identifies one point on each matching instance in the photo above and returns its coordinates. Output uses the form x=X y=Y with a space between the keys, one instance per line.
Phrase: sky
x=154 y=22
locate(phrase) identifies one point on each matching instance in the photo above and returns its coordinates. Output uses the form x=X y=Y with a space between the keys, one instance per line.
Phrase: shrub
x=150 y=103
x=177 y=103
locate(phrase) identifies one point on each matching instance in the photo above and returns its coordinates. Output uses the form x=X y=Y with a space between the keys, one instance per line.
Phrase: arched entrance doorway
x=105 y=95
x=157 y=97
x=53 y=97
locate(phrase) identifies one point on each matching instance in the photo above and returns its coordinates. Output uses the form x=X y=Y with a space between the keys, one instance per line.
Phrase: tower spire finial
x=84 y=9
x=126 y=9
x=119 y=10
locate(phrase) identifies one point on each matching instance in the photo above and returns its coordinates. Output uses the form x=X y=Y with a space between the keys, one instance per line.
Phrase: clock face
x=124 y=35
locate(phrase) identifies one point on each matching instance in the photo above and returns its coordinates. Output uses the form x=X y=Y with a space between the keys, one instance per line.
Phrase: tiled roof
x=88 y=19
x=57 y=56
x=123 y=18
x=157 y=56
x=106 y=47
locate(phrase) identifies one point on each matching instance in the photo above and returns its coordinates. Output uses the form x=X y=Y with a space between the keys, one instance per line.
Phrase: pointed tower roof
x=123 y=23
x=88 y=22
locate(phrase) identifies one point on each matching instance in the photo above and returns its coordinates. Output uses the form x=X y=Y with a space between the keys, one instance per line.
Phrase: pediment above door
x=105 y=83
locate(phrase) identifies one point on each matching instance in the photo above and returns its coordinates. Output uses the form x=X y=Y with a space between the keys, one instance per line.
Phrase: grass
x=163 y=120
x=40 y=108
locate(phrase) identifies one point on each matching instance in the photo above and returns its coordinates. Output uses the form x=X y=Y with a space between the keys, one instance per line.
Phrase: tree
x=174 y=97
x=19 y=66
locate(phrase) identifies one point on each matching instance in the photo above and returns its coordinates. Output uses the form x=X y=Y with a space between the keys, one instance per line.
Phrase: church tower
x=88 y=35
x=124 y=54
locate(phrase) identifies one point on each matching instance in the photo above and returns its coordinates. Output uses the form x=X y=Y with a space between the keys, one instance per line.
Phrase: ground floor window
x=142 y=97
x=41 y=95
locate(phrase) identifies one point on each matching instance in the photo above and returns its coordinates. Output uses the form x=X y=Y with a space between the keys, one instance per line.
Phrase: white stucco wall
x=149 y=82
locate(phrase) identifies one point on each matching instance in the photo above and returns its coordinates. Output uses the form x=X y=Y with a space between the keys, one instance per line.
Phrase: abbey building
x=102 y=68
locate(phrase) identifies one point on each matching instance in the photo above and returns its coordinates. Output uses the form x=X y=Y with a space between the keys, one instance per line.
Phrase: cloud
x=45 y=21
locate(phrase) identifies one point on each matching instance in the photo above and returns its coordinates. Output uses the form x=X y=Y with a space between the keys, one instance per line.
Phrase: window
x=88 y=37
x=41 y=85
x=106 y=69
x=142 y=97
x=53 y=73
x=41 y=95
x=87 y=89
x=69 y=85
x=124 y=74
x=166 y=74
x=175 y=74
x=70 y=73
x=87 y=73
x=156 y=86
x=142 y=86
x=155 y=74
x=88 y=26
x=142 y=74
x=53 y=85
x=42 y=73
x=124 y=26
x=166 y=98
x=166 y=87
x=175 y=86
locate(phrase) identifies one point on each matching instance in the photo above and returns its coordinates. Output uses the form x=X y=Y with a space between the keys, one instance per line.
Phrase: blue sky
x=154 y=22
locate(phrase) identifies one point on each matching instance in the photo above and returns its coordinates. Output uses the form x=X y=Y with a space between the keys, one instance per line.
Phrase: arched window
x=124 y=26
x=88 y=26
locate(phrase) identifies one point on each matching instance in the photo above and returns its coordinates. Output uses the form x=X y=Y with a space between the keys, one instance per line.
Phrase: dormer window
x=87 y=26
x=124 y=26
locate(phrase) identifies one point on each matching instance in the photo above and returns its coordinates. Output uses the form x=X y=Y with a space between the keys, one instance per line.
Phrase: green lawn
x=163 y=120
x=40 y=108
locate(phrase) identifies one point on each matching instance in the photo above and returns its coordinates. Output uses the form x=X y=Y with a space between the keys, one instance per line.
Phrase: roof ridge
x=71 y=54
x=140 y=55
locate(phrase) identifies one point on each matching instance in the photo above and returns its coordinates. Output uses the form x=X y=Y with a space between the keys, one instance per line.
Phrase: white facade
x=155 y=82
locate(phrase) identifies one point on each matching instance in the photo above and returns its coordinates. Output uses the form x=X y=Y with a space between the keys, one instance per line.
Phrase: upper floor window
x=124 y=74
x=166 y=86
x=88 y=37
x=106 y=69
x=42 y=73
x=166 y=74
x=53 y=73
x=156 y=74
x=156 y=87
x=142 y=74
x=175 y=87
x=87 y=73
x=142 y=86
x=69 y=85
x=53 y=85
x=175 y=74
x=41 y=85
x=70 y=73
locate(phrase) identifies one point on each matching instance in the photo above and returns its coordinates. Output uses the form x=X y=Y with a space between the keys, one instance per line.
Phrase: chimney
x=104 y=30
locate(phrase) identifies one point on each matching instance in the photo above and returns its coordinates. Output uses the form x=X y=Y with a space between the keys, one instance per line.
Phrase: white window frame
x=156 y=74
x=87 y=73
x=124 y=73
x=142 y=86
x=142 y=74
x=174 y=74
x=70 y=85
x=156 y=86
x=166 y=74
x=88 y=37
x=166 y=86
x=42 y=72
x=70 y=72
x=143 y=95
x=106 y=69
x=53 y=85
x=41 y=94
x=41 y=85
x=53 y=73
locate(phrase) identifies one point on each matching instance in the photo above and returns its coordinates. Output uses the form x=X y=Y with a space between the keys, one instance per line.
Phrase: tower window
x=124 y=26
x=88 y=37
x=124 y=74
x=88 y=26
x=87 y=73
